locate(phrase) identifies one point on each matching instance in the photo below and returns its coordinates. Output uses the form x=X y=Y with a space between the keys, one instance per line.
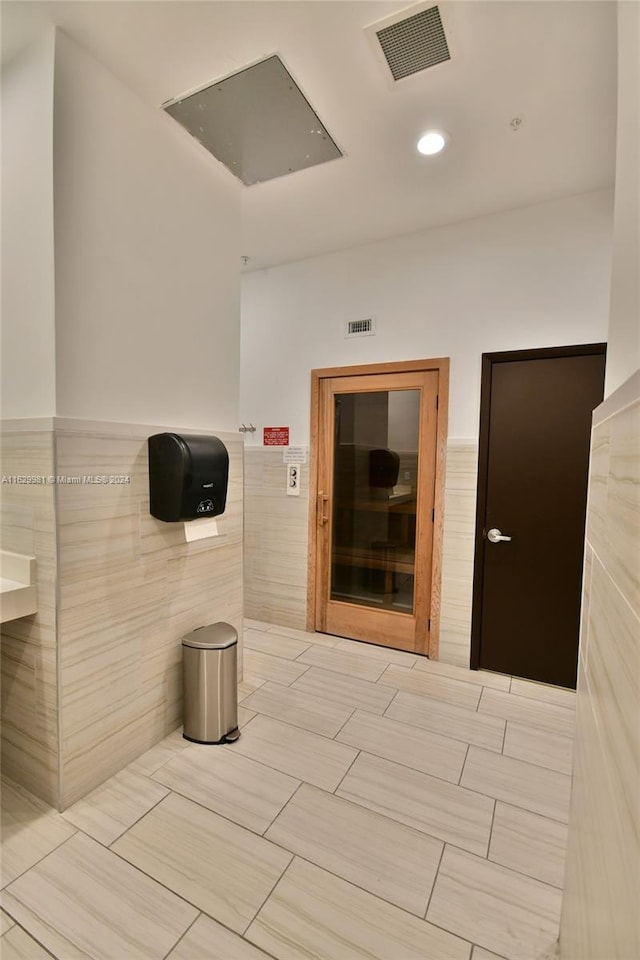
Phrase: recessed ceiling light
x=433 y=141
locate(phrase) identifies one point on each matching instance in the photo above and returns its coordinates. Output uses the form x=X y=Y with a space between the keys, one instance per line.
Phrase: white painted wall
x=147 y=260
x=532 y=277
x=623 y=356
x=28 y=309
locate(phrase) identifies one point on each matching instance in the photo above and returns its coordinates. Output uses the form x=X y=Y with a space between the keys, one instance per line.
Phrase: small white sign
x=294 y=455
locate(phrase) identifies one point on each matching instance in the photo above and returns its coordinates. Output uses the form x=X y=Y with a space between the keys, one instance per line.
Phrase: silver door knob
x=494 y=536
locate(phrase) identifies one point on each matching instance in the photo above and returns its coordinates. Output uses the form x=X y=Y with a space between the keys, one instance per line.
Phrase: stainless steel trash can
x=210 y=685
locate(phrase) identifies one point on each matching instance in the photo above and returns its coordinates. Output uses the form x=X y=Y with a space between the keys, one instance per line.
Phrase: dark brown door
x=535 y=425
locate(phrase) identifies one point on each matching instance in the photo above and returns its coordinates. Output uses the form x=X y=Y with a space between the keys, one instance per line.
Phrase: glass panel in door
x=374 y=507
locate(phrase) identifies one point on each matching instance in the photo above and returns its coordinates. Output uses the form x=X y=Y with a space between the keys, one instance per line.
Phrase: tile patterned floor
x=377 y=805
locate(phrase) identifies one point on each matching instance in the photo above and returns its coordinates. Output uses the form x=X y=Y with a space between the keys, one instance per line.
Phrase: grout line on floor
x=337 y=650
x=107 y=846
x=498 y=956
x=33 y=937
x=263 y=680
x=40 y=859
x=541 y=766
x=296 y=658
x=384 y=712
x=161 y=883
x=452 y=933
x=346 y=722
x=183 y=935
x=247 y=722
x=493 y=820
x=369 y=751
x=432 y=729
x=347 y=771
x=372 y=752
x=435 y=878
x=521 y=873
x=149 y=775
x=208 y=916
x=203 y=913
x=273 y=887
x=466 y=754
x=217 y=813
x=295 y=723
x=353 y=883
x=124 y=860
x=274 y=818
x=281 y=683
x=545 y=703
x=512 y=803
x=269 y=765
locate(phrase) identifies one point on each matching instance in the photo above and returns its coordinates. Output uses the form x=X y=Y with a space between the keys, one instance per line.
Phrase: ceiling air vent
x=414 y=43
x=360 y=328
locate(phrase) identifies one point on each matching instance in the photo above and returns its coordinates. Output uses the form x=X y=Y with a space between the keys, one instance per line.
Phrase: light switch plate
x=293 y=480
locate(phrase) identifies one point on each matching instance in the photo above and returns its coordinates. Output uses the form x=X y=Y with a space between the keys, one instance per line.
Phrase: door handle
x=495 y=536
x=323 y=500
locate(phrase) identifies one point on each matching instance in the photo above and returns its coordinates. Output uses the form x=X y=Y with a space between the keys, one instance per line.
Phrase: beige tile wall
x=28 y=646
x=275 y=540
x=129 y=587
x=457 y=551
x=276 y=545
x=602 y=881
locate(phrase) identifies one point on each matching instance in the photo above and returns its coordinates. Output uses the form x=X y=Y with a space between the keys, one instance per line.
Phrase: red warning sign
x=276 y=437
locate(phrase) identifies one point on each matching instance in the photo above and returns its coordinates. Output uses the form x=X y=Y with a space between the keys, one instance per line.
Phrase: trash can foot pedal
x=230 y=737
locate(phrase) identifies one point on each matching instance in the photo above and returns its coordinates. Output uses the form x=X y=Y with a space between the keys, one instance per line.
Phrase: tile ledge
x=113 y=428
x=27 y=425
x=625 y=396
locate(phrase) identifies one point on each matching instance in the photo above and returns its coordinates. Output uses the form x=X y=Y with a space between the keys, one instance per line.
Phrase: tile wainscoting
x=276 y=538
x=28 y=646
x=602 y=881
x=460 y=487
x=112 y=607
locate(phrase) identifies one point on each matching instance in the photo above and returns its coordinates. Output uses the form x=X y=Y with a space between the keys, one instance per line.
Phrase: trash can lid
x=215 y=636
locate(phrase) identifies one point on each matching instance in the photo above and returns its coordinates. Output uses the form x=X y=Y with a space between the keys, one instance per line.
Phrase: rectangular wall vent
x=414 y=43
x=360 y=328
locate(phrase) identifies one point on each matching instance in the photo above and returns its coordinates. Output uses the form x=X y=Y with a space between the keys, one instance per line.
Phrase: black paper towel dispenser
x=188 y=476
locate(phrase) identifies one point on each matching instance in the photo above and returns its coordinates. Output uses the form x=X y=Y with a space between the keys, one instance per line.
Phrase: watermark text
x=37 y=479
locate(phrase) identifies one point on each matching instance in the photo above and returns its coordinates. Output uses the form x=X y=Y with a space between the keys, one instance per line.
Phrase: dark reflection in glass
x=374 y=498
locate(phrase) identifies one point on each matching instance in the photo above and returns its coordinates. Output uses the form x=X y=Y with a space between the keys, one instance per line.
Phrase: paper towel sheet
x=201 y=529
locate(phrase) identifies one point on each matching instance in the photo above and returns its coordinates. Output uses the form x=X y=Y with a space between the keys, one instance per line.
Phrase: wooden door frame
x=488 y=359
x=439 y=364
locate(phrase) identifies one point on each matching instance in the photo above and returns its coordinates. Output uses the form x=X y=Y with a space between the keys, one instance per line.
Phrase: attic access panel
x=257 y=122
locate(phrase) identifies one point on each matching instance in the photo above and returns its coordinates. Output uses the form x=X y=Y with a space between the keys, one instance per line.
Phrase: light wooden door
x=376 y=485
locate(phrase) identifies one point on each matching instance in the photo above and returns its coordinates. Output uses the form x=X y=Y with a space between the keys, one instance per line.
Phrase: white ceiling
x=553 y=64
